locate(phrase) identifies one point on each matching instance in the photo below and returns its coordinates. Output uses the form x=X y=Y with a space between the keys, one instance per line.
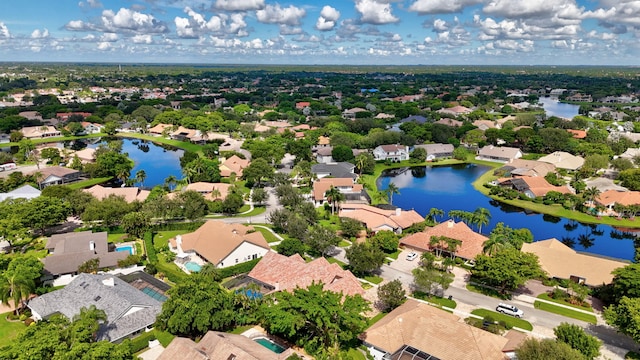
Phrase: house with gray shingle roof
x=129 y=310
x=336 y=170
x=437 y=151
x=499 y=153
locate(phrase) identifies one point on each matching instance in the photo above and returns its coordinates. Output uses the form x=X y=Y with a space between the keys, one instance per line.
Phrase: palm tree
x=455 y=214
x=481 y=216
x=590 y=194
x=433 y=212
x=495 y=243
x=392 y=189
x=122 y=174
x=141 y=176
x=169 y=181
x=216 y=194
x=437 y=242
x=452 y=246
x=15 y=287
x=334 y=196
x=361 y=161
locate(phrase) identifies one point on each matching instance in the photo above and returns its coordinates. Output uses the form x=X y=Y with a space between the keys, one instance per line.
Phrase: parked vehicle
x=509 y=310
x=411 y=256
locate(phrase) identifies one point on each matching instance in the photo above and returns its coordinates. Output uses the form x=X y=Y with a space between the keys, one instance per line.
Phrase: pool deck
x=129 y=244
x=257 y=332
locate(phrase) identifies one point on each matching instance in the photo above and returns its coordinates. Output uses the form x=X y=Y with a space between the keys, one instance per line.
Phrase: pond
x=554 y=108
x=157 y=161
x=449 y=188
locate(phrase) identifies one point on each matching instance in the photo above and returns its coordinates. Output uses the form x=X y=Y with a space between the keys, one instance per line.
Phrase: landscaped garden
x=509 y=321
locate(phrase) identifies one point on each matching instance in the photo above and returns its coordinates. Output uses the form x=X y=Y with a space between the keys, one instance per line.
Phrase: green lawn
x=116 y=238
x=394 y=255
x=352 y=354
x=240 y=329
x=162 y=237
x=336 y=261
x=54 y=139
x=509 y=320
x=435 y=299
x=545 y=296
x=185 y=145
x=374 y=279
x=566 y=312
x=88 y=183
x=376 y=318
x=344 y=243
x=487 y=291
x=268 y=235
x=9 y=329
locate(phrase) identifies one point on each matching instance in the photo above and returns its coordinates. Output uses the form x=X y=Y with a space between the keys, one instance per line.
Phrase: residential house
x=129 y=310
x=91 y=128
x=499 y=153
x=471 y=242
x=302 y=104
x=532 y=186
x=351 y=113
x=455 y=111
x=393 y=152
x=336 y=170
x=323 y=155
x=221 y=244
x=351 y=192
x=56 y=175
x=419 y=331
x=415 y=118
x=160 y=129
x=521 y=167
x=449 y=122
x=437 y=151
x=65 y=116
x=39 y=132
x=86 y=155
x=210 y=191
x=631 y=154
x=233 y=165
x=220 y=345
x=562 y=262
x=276 y=272
x=24 y=192
x=70 y=250
x=577 y=134
x=130 y=194
x=563 y=160
x=323 y=141
x=610 y=198
x=384 y=116
x=377 y=219
x=485 y=125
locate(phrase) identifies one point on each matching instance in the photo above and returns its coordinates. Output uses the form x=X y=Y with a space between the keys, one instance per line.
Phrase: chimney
x=277 y=286
x=398 y=211
x=109 y=282
x=450 y=223
x=179 y=239
x=92 y=246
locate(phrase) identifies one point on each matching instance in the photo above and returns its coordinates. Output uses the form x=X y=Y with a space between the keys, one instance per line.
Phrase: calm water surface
x=157 y=161
x=449 y=188
x=554 y=108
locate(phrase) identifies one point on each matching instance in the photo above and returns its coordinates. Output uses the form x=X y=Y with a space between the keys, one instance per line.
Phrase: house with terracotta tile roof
x=86 y=155
x=159 y=129
x=277 y=272
x=210 y=191
x=419 y=331
x=323 y=141
x=563 y=160
x=39 y=132
x=130 y=194
x=532 y=186
x=220 y=345
x=449 y=122
x=351 y=192
x=221 y=244
x=455 y=111
x=484 y=125
x=577 y=134
x=302 y=104
x=610 y=198
x=562 y=262
x=394 y=152
x=498 y=154
x=377 y=219
x=471 y=242
x=233 y=165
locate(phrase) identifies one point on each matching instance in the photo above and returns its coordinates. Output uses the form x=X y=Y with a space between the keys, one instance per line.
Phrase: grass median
x=509 y=320
x=565 y=312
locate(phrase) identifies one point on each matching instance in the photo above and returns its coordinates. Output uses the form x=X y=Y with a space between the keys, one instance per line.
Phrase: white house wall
x=243 y=253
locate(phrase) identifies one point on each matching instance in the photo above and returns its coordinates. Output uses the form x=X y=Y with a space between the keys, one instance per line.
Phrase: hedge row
x=245 y=267
x=148 y=244
x=189 y=226
x=142 y=342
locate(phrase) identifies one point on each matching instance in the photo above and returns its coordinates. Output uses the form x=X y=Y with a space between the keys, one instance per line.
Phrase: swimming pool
x=128 y=248
x=154 y=294
x=193 y=267
x=270 y=345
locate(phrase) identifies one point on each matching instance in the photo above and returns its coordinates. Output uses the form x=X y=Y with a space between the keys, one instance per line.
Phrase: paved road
x=271 y=205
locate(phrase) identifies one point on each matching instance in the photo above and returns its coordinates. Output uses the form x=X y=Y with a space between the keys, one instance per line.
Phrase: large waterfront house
x=471 y=243
x=501 y=154
x=376 y=219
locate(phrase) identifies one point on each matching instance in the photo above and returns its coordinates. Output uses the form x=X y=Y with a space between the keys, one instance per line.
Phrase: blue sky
x=456 y=32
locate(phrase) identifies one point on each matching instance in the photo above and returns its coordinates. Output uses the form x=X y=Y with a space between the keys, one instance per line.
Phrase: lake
x=158 y=161
x=449 y=188
x=554 y=108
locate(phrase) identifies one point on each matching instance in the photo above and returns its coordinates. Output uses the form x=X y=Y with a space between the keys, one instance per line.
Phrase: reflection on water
x=554 y=108
x=449 y=188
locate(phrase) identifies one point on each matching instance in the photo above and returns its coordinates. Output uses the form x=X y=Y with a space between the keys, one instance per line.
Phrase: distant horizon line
x=115 y=63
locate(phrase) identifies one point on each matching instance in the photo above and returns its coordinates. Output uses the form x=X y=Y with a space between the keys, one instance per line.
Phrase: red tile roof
x=287 y=273
x=472 y=242
x=375 y=218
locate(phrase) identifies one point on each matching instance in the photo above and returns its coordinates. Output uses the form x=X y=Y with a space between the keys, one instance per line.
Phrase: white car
x=411 y=256
x=509 y=310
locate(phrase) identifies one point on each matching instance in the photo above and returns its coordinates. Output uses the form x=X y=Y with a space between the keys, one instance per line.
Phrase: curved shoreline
x=553 y=210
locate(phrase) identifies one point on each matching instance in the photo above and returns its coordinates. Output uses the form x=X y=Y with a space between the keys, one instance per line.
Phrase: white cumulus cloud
x=123 y=21
x=275 y=14
x=441 y=6
x=375 y=12
x=37 y=34
x=239 y=5
x=196 y=24
x=328 y=18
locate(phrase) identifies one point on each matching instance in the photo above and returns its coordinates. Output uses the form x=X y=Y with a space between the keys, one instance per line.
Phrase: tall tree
x=141 y=176
x=392 y=189
x=481 y=216
x=390 y=296
x=334 y=197
x=534 y=349
x=625 y=316
x=364 y=258
x=575 y=336
x=507 y=269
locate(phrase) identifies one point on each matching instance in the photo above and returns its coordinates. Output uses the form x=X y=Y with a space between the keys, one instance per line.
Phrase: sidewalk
x=531 y=300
